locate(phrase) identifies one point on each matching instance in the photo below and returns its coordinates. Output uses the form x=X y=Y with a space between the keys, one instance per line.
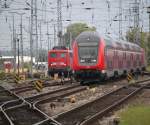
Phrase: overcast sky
x=100 y=16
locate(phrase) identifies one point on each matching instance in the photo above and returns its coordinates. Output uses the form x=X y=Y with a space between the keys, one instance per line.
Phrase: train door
x=124 y=59
x=116 y=59
x=128 y=64
x=120 y=59
x=109 y=58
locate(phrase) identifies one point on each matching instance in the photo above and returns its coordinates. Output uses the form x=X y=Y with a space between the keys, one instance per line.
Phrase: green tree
x=73 y=30
x=144 y=39
x=131 y=35
x=148 y=49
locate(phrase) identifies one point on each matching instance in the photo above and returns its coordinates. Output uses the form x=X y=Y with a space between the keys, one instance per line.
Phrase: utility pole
x=130 y=19
x=148 y=11
x=21 y=42
x=37 y=50
x=48 y=39
x=120 y=19
x=14 y=44
x=70 y=44
x=136 y=21
x=18 y=56
x=148 y=41
x=108 y=22
x=54 y=35
x=59 y=23
x=31 y=39
x=33 y=32
x=40 y=35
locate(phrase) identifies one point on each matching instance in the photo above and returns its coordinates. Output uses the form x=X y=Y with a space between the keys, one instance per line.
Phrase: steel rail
x=60 y=94
x=104 y=112
x=7 y=93
x=85 y=111
x=6 y=120
x=24 y=114
x=32 y=99
x=30 y=87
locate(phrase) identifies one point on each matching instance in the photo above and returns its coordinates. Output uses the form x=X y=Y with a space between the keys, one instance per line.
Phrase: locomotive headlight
x=53 y=63
x=82 y=60
x=93 y=60
x=62 y=63
x=103 y=71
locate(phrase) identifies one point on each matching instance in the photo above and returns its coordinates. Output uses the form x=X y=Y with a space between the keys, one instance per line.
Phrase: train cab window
x=53 y=55
x=71 y=55
x=62 y=55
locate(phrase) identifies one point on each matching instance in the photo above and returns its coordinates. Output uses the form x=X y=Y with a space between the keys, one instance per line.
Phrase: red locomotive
x=96 y=58
x=59 y=61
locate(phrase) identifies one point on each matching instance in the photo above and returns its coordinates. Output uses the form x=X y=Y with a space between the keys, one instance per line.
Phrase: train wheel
x=82 y=82
x=116 y=76
x=52 y=75
x=103 y=79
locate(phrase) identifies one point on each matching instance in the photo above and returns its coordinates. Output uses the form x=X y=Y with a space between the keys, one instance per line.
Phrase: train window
x=116 y=54
x=109 y=63
x=53 y=55
x=70 y=54
x=137 y=57
x=62 y=55
x=88 y=52
x=124 y=55
x=128 y=63
x=59 y=48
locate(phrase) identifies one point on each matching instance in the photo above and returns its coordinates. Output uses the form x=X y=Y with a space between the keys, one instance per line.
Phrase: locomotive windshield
x=53 y=55
x=88 y=52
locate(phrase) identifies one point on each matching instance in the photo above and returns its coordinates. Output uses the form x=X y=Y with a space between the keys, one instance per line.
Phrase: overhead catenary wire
x=78 y=9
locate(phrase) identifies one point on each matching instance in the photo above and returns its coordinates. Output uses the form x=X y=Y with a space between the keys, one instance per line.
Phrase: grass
x=138 y=115
x=148 y=68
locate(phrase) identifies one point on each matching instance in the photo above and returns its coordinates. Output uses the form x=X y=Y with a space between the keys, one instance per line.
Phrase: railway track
x=23 y=114
x=16 y=111
x=89 y=112
x=3 y=119
x=6 y=95
x=1 y=88
x=31 y=87
x=54 y=94
x=60 y=94
x=20 y=112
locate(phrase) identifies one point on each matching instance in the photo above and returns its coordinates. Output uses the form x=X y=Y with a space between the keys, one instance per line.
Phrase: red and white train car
x=95 y=57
